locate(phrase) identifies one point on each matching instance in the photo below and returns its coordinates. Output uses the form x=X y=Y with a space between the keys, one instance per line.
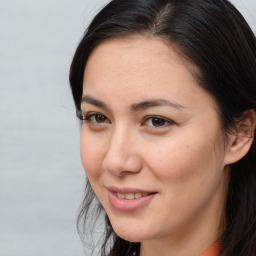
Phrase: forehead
x=140 y=68
x=133 y=56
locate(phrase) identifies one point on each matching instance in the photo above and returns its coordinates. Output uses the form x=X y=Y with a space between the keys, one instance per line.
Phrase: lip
x=131 y=205
x=126 y=190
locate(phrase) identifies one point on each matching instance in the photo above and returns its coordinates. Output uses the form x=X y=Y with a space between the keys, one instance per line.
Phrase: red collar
x=213 y=250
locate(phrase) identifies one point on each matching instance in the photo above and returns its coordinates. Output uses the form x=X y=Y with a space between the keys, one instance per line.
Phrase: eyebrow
x=155 y=103
x=93 y=101
x=136 y=106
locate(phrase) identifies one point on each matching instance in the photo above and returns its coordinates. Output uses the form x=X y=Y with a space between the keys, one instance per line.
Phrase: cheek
x=92 y=152
x=189 y=176
x=181 y=159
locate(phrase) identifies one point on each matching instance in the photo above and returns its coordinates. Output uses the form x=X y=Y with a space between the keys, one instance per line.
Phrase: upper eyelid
x=156 y=116
x=93 y=109
x=91 y=113
x=82 y=116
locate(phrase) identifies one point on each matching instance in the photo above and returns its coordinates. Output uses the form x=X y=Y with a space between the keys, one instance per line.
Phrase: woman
x=166 y=90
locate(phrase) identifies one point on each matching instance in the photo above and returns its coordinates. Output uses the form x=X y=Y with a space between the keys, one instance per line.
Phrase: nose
x=122 y=155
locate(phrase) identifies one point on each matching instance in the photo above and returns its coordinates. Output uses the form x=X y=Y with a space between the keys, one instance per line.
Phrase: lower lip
x=126 y=205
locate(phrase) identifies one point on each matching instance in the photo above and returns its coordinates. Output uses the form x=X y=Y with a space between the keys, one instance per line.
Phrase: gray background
x=41 y=177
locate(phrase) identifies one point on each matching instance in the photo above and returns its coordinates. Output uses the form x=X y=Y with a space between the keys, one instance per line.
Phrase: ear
x=241 y=140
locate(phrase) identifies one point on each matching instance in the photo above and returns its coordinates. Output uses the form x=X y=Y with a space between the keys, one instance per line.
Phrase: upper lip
x=127 y=190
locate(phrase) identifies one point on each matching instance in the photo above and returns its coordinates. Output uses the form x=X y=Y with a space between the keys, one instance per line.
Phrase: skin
x=182 y=159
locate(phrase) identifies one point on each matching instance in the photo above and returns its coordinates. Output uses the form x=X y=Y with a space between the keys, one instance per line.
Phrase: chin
x=131 y=237
x=131 y=234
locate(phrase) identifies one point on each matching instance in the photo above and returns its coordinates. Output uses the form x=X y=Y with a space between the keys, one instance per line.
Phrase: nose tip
x=122 y=158
x=119 y=167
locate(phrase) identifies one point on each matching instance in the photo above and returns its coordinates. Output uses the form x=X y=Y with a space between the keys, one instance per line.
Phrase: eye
x=157 y=121
x=97 y=118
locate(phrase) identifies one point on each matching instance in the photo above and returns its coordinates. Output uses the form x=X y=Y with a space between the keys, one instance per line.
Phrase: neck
x=178 y=249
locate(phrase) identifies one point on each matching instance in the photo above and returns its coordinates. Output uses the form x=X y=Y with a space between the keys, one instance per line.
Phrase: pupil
x=100 y=118
x=158 y=122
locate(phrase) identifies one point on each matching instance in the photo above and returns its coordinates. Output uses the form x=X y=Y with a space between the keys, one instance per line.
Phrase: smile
x=130 y=196
x=129 y=200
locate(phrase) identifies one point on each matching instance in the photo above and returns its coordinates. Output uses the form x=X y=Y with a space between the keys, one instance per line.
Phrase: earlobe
x=240 y=142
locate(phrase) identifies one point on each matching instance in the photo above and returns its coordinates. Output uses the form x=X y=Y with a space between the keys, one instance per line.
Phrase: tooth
x=145 y=194
x=129 y=196
x=121 y=195
x=138 y=195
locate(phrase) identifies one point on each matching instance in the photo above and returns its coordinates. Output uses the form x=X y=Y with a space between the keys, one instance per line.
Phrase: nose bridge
x=122 y=155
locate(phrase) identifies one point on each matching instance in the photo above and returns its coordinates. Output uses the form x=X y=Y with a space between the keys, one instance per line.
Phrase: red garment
x=213 y=250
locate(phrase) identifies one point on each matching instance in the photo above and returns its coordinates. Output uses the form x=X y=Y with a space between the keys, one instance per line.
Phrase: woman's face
x=151 y=142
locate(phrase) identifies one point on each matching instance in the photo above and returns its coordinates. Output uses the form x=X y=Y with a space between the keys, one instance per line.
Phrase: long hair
x=214 y=37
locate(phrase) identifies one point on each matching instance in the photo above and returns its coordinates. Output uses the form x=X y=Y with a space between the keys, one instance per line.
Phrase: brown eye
x=96 y=118
x=100 y=118
x=157 y=121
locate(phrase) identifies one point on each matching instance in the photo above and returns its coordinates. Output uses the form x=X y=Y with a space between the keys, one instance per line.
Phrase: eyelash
x=163 y=121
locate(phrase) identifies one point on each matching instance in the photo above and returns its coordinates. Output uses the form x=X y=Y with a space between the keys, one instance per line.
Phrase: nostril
x=121 y=165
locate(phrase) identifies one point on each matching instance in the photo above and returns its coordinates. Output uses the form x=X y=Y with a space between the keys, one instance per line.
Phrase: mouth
x=128 y=200
x=131 y=196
